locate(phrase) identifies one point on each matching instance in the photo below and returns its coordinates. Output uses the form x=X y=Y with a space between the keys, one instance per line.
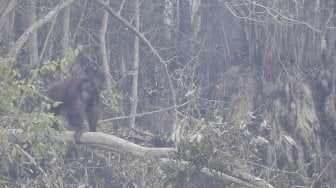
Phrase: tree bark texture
x=135 y=71
x=32 y=42
x=103 y=50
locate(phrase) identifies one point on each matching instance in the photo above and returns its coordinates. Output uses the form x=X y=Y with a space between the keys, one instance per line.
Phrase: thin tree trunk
x=14 y=51
x=48 y=44
x=176 y=136
x=6 y=23
x=31 y=18
x=6 y=7
x=134 y=95
x=103 y=50
x=65 y=31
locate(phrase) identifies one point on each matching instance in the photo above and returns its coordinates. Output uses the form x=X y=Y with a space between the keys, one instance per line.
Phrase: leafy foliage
x=25 y=160
x=63 y=64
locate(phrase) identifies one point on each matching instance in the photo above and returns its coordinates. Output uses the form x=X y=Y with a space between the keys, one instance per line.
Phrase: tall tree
x=65 y=31
x=30 y=6
x=135 y=71
x=103 y=50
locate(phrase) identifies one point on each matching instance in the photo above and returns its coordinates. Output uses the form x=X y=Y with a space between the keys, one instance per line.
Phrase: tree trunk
x=65 y=31
x=6 y=22
x=134 y=95
x=103 y=50
x=15 y=49
x=32 y=42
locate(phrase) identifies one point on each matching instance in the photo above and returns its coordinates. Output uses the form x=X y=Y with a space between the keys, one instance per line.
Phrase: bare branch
x=31 y=159
x=274 y=13
x=10 y=6
x=14 y=51
x=156 y=54
x=113 y=143
x=248 y=181
x=103 y=141
x=144 y=113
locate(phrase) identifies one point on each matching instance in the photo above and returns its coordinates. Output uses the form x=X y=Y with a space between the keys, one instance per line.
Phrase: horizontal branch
x=107 y=142
x=113 y=143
